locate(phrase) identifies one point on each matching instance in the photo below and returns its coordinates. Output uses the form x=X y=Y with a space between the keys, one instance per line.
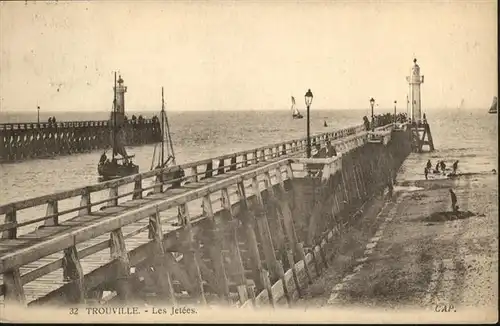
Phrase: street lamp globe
x=372 y=101
x=308 y=97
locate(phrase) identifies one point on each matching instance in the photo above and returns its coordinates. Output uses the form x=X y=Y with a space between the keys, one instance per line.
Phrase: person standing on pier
x=454 y=205
x=426 y=172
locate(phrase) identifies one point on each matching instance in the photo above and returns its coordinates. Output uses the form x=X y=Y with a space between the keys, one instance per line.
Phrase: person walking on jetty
x=454 y=205
x=426 y=172
x=455 y=167
x=429 y=165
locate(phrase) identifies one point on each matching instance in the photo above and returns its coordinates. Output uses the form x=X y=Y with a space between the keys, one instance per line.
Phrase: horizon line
x=3 y=110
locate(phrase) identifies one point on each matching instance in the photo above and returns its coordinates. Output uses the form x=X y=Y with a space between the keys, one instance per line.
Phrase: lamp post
x=38 y=109
x=395 y=102
x=308 y=98
x=372 y=103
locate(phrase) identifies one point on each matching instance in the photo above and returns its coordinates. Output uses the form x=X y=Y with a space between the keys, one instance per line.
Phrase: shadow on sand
x=448 y=216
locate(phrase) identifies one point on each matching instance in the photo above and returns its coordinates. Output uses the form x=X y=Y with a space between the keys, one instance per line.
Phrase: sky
x=246 y=55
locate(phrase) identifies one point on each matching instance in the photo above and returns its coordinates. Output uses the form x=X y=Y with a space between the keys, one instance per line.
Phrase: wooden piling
x=14 y=292
x=191 y=255
x=52 y=209
x=209 y=171
x=137 y=187
x=249 y=227
x=120 y=256
x=215 y=251
x=10 y=218
x=221 y=168
x=73 y=272
x=233 y=245
x=85 y=204
x=161 y=270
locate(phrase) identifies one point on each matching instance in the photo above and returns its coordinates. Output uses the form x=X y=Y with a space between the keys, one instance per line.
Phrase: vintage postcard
x=248 y=161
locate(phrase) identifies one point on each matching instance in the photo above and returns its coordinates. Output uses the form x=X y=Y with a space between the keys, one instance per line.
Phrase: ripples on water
x=469 y=136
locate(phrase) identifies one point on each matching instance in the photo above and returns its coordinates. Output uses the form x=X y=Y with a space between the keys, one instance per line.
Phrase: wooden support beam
x=274 y=220
x=291 y=263
x=158 y=188
x=113 y=193
x=73 y=272
x=10 y=218
x=85 y=204
x=266 y=237
x=284 y=210
x=194 y=174
x=52 y=209
x=234 y=249
x=249 y=226
x=233 y=164
x=191 y=254
x=221 y=168
x=264 y=231
x=138 y=187
x=14 y=292
x=245 y=160
x=215 y=251
x=120 y=254
x=162 y=272
x=209 y=172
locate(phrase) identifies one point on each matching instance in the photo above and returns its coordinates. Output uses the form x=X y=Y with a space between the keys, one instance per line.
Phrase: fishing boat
x=117 y=167
x=166 y=157
x=295 y=112
x=494 y=106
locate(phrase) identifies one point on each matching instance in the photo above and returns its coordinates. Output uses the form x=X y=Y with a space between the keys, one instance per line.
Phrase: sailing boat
x=494 y=106
x=295 y=112
x=113 y=169
x=168 y=160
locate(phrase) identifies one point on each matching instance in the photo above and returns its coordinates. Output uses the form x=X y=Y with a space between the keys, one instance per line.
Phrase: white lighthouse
x=414 y=81
x=120 y=96
x=118 y=114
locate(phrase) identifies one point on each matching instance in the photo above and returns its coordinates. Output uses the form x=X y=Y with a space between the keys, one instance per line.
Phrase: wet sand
x=415 y=253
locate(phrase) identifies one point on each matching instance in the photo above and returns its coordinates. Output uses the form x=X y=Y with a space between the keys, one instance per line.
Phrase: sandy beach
x=414 y=253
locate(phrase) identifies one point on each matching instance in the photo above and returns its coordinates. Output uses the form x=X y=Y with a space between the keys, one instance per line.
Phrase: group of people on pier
x=380 y=120
x=52 y=120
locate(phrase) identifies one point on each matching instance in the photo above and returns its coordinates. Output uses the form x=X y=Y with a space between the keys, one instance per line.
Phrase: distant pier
x=24 y=141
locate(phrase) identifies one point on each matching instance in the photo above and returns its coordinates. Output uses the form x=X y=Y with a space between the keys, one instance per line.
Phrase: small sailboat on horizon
x=295 y=112
x=494 y=106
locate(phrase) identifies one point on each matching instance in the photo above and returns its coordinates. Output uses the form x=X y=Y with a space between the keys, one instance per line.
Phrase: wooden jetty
x=248 y=228
x=23 y=141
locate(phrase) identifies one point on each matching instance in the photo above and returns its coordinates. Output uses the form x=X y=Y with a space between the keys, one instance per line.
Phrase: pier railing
x=167 y=224
x=214 y=197
x=92 y=197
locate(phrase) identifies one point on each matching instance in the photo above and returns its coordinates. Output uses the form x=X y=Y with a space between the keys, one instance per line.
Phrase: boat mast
x=168 y=131
x=114 y=119
x=162 y=128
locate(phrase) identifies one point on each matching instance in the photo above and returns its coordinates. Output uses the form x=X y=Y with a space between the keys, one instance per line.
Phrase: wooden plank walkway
x=94 y=253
